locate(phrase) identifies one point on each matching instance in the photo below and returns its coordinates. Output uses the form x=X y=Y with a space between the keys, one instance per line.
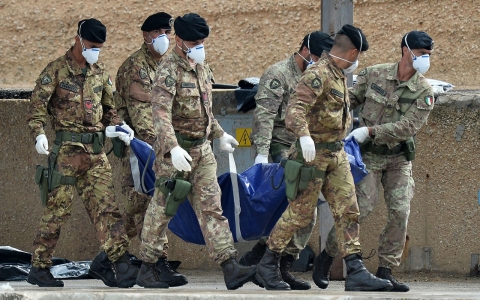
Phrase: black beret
x=317 y=42
x=92 y=30
x=191 y=27
x=159 y=20
x=417 y=40
x=356 y=36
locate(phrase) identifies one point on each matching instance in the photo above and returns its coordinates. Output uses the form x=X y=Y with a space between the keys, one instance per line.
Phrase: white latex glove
x=129 y=130
x=360 y=134
x=308 y=148
x=42 y=144
x=111 y=132
x=225 y=142
x=261 y=159
x=179 y=159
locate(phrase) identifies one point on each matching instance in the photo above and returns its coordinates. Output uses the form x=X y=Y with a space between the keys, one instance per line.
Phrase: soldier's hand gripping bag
x=177 y=196
x=41 y=178
x=409 y=149
x=292 y=178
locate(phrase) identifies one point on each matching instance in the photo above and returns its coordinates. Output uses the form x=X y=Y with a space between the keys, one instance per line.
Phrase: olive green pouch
x=98 y=142
x=292 y=178
x=118 y=147
x=409 y=149
x=41 y=178
x=306 y=175
x=177 y=196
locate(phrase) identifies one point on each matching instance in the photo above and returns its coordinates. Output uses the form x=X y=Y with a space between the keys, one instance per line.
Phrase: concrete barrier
x=444 y=216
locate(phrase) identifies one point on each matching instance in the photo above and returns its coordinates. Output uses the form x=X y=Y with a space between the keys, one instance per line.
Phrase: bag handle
x=236 y=196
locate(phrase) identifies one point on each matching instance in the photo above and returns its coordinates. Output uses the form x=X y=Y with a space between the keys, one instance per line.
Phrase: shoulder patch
x=378 y=89
x=110 y=81
x=316 y=83
x=143 y=73
x=274 y=84
x=46 y=79
x=169 y=81
x=429 y=100
x=363 y=72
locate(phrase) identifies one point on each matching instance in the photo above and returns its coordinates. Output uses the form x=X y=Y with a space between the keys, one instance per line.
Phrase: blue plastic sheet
x=262 y=201
x=357 y=166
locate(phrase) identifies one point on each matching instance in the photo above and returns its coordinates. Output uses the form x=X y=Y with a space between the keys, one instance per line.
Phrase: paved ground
x=210 y=285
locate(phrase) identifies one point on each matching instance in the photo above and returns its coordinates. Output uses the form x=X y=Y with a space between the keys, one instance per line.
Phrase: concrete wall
x=444 y=212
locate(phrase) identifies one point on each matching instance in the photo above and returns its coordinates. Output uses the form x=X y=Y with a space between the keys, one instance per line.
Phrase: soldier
x=318 y=114
x=184 y=125
x=76 y=92
x=134 y=84
x=269 y=136
x=395 y=100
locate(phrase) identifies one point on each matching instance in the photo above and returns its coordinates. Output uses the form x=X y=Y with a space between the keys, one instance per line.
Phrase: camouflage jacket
x=182 y=101
x=132 y=100
x=274 y=90
x=319 y=107
x=395 y=110
x=75 y=102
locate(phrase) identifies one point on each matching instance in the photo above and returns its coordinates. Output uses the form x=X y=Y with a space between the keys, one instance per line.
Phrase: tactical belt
x=384 y=150
x=187 y=142
x=65 y=136
x=334 y=147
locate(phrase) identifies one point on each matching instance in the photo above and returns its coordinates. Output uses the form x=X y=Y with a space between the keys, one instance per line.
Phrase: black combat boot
x=125 y=272
x=43 y=278
x=268 y=272
x=148 y=277
x=359 y=279
x=235 y=275
x=102 y=268
x=253 y=256
x=322 y=265
x=171 y=277
x=386 y=273
x=286 y=262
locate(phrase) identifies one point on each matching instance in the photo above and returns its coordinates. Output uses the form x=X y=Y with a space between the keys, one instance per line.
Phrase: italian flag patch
x=429 y=100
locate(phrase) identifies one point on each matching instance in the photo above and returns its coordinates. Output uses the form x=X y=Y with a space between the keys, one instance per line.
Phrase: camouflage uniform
x=269 y=134
x=81 y=104
x=395 y=111
x=182 y=102
x=319 y=108
x=134 y=83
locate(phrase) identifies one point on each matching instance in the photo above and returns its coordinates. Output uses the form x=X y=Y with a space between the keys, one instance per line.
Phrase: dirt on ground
x=246 y=36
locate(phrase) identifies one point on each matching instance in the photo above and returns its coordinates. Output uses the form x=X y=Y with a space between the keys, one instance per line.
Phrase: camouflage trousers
x=339 y=191
x=95 y=188
x=134 y=203
x=300 y=237
x=205 y=200
x=395 y=174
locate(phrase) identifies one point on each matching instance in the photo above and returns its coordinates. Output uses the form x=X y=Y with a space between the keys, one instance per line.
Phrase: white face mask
x=420 y=63
x=160 y=43
x=196 y=53
x=309 y=62
x=91 y=55
x=350 y=69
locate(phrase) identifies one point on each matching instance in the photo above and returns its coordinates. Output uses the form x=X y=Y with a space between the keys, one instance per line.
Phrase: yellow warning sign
x=243 y=137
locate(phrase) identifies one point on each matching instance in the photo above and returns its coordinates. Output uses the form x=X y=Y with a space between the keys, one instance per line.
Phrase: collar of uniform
x=411 y=83
x=75 y=69
x=293 y=64
x=183 y=62
x=336 y=70
x=148 y=56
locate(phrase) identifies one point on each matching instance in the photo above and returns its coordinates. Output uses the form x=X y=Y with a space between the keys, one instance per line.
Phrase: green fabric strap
x=187 y=142
x=65 y=136
x=276 y=148
x=383 y=150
